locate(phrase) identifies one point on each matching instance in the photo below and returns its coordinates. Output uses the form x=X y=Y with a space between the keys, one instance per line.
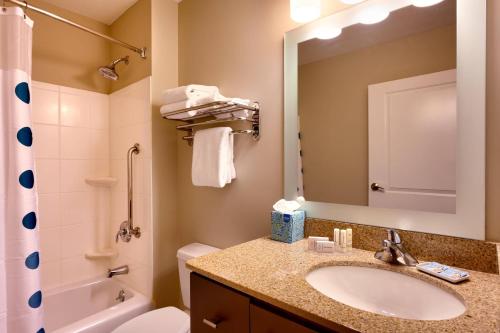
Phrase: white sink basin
x=385 y=292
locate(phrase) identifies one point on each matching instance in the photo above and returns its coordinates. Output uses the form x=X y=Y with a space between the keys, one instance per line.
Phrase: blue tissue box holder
x=287 y=228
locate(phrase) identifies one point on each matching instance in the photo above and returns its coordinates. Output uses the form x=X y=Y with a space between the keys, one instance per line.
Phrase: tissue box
x=287 y=228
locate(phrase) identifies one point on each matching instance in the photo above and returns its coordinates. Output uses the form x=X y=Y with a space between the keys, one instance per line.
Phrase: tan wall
x=493 y=123
x=67 y=56
x=133 y=27
x=165 y=75
x=238 y=45
x=333 y=106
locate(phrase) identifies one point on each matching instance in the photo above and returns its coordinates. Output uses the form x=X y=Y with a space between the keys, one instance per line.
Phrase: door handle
x=376 y=187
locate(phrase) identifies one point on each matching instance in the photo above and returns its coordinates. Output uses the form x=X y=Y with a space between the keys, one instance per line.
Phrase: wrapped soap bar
x=287 y=228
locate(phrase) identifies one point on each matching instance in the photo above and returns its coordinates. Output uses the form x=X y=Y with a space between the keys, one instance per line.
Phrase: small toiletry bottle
x=336 y=236
x=349 y=239
x=343 y=240
x=325 y=246
x=311 y=242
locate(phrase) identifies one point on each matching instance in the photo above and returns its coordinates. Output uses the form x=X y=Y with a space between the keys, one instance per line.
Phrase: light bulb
x=351 y=2
x=425 y=3
x=327 y=32
x=373 y=15
x=305 y=10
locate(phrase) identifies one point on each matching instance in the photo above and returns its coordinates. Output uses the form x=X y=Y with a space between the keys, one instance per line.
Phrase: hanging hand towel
x=213 y=157
x=191 y=91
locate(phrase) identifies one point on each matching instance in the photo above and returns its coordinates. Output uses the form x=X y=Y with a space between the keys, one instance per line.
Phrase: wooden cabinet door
x=264 y=321
x=215 y=308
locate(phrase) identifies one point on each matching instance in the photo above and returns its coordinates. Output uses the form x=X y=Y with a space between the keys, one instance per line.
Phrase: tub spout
x=118 y=271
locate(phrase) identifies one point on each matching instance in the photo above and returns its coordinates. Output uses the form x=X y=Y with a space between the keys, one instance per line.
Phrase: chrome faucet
x=118 y=271
x=121 y=296
x=393 y=250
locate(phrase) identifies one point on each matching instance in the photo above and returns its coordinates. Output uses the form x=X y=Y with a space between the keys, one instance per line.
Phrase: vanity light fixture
x=303 y=11
x=327 y=32
x=425 y=3
x=372 y=15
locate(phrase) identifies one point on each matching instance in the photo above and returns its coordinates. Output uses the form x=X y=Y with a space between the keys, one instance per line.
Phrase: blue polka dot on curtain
x=27 y=179
x=23 y=92
x=25 y=136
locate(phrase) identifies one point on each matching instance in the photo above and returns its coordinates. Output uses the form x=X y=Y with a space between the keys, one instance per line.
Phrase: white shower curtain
x=20 y=294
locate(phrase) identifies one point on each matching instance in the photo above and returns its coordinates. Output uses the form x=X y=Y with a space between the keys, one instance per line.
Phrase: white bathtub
x=91 y=307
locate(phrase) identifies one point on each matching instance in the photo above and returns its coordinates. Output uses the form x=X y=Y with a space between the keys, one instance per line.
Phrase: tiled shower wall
x=71 y=141
x=130 y=123
x=80 y=134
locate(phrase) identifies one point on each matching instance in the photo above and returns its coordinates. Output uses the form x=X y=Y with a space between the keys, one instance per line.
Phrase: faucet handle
x=393 y=236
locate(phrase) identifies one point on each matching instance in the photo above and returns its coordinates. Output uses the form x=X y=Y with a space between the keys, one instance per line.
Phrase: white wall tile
x=73 y=174
x=77 y=208
x=100 y=168
x=50 y=244
x=91 y=128
x=49 y=213
x=75 y=143
x=47 y=175
x=119 y=171
x=50 y=274
x=75 y=109
x=74 y=241
x=130 y=122
x=99 y=144
x=45 y=105
x=74 y=269
x=46 y=141
x=99 y=112
x=71 y=142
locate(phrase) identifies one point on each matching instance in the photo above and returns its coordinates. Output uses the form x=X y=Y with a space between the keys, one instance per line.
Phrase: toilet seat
x=162 y=320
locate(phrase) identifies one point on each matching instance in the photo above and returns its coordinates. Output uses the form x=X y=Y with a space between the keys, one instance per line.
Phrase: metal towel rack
x=207 y=116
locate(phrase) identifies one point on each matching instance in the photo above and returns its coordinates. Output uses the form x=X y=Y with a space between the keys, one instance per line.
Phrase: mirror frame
x=469 y=220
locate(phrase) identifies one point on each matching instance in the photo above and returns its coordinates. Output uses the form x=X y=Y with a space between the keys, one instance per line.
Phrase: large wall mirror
x=384 y=118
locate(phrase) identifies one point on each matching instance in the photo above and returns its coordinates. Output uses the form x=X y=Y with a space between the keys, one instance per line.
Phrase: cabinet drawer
x=215 y=308
x=264 y=321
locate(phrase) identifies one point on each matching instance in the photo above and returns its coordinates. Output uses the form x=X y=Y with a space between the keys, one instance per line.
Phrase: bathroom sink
x=385 y=292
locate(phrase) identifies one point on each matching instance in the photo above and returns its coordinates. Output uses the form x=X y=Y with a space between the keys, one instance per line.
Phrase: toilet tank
x=184 y=254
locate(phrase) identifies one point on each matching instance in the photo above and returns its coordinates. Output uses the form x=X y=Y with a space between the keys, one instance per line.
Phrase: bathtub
x=91 y=307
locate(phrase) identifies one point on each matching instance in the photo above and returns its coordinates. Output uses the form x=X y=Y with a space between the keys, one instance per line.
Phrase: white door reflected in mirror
x=412 y=125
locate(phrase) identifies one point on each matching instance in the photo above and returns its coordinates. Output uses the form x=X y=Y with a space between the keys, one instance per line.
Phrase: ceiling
x=103 y=11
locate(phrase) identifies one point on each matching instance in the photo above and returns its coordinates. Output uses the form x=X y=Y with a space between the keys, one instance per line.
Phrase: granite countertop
x=275 y=273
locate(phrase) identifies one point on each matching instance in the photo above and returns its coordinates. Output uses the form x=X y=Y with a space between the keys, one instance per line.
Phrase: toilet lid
x=169 y=319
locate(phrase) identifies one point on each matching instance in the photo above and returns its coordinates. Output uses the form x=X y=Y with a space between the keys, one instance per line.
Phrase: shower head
x=109 y=72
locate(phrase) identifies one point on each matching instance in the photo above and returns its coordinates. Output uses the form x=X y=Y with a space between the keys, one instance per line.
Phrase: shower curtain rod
x=24 y=4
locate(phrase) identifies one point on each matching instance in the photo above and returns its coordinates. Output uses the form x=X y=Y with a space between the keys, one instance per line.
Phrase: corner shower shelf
x=101 y=181
x=106 y=254
x=207 y=114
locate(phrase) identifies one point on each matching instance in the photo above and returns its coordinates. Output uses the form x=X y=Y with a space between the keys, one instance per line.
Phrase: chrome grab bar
x=127 y=229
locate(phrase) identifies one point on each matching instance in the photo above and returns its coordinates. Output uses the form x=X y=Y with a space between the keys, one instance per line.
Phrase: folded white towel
x=191 y=91
x=213 y=157
x=240 y=113
x=165 y=109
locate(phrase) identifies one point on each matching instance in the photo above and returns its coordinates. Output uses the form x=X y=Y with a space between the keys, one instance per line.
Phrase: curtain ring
x=25 y=9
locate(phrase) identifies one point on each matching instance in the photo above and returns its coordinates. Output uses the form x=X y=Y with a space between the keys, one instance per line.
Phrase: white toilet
x=169 y=319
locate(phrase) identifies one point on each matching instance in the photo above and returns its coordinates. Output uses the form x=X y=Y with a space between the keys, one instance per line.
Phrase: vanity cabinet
x=217 y=308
